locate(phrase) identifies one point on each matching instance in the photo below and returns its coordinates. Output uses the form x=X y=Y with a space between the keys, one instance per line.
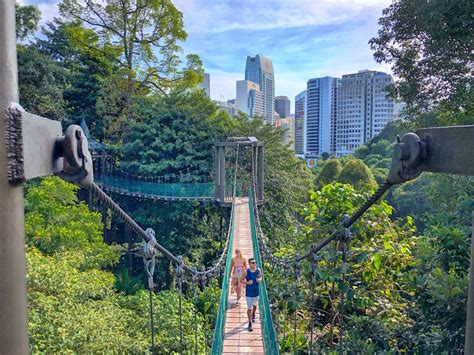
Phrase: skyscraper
x=363 y=109
x=249 y=98
x=259 y=69
x=206 y=84
x=321 y=115
x=282 y=106
x=300 y=124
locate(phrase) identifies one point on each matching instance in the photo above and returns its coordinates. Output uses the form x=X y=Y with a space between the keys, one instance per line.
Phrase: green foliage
x=72 y=303
x=55 y=221
x=172 y=134
x=287 y=179
x=76 y=311
x=88 y=63
x=26 y=20
x=42 y=82
x=329 y=173
x=376 y=283
x=429 y=46
x=356 y=173
x=147 y=35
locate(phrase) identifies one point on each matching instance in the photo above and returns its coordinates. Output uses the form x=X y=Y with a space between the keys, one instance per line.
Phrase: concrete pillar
x=13 y=314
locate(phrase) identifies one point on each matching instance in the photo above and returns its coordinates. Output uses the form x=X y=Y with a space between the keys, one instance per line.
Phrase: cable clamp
x=347 y=231
x=149 y=247
x=149 y=256
x=179 y=266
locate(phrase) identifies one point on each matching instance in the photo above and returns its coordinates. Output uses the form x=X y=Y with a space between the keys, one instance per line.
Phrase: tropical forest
x=396 y=281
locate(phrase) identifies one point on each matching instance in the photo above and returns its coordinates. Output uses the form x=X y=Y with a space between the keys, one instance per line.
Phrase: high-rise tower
x=300 y=124
x=259 y=69
x=363 y=109
x=321 y=116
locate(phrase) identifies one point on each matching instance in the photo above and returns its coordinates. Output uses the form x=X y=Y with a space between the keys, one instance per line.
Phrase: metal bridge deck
x=237 y=339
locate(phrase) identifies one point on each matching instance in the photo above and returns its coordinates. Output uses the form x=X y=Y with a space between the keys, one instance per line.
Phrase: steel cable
x=106 y=200
x=179 y=273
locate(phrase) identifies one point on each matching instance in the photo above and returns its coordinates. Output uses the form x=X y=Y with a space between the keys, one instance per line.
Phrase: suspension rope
x=179 y=273
x=297 y=272
x=316 y=247
x=106 y=200
x=194 y=282
x=345 y=246
x=153 y=178
x=285 y=282
x=313 y=289
x=150 y=262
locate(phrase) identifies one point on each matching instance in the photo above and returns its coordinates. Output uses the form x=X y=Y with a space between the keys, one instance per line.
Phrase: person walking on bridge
x=237 y=268
x=252 y=278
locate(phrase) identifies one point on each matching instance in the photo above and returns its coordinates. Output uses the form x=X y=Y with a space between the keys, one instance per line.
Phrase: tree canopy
x=429 y=44
x=147 y=34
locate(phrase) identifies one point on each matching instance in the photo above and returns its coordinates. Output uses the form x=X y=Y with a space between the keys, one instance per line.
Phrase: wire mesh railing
x=269 y=337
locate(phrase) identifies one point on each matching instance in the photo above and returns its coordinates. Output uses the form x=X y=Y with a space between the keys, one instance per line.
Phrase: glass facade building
x=321 y=115
x=259 y=69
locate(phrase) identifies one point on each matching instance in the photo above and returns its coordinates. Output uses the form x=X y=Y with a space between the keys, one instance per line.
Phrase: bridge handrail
x=270 y=341
x=218 y=336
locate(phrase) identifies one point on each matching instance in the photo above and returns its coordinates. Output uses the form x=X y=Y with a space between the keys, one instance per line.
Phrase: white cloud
x=48 y=11
x=215 y=16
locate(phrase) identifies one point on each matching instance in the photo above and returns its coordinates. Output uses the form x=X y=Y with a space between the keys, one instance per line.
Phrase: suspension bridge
x=32 y=146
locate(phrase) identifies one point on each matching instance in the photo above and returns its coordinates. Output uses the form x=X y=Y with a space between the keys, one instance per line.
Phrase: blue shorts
x=251 y=301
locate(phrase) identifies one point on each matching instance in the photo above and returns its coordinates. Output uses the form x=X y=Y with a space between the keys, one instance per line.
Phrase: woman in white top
x=237 y=268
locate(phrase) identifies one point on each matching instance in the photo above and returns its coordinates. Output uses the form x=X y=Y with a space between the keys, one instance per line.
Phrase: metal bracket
x=36 y=147
x=30 y=141
x=437 y=149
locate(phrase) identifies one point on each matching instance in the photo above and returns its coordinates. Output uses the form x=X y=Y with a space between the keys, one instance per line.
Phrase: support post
x=219 y=173
x=469 y=340
x=222 y=172
x=260 y=172
x=254 y=164
x=13 y=314
x=217 y=179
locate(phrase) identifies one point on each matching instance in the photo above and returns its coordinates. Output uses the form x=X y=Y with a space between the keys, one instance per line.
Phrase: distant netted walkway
x=178 y=191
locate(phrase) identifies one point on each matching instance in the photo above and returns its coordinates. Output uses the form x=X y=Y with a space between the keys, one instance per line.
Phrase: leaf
x=377 y=260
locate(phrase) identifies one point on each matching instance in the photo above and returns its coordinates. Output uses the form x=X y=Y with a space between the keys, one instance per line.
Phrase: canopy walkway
x=179 y=191
x=237 y=339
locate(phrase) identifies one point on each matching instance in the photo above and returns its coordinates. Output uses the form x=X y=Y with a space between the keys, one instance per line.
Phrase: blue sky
x=303 y=38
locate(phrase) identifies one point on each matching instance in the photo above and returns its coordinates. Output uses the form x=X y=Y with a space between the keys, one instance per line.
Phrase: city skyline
x=303 y=39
